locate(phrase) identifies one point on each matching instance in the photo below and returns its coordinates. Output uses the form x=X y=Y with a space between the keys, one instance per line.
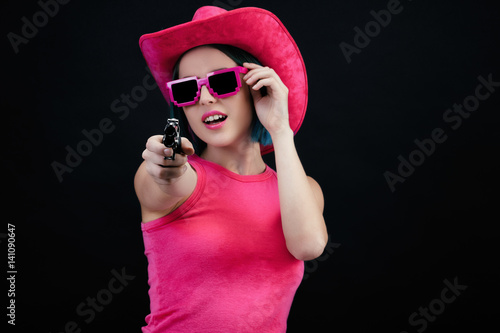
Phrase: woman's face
x=235 y=112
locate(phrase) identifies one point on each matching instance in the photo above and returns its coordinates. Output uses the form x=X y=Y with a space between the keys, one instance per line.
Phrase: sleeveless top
x=219 y=262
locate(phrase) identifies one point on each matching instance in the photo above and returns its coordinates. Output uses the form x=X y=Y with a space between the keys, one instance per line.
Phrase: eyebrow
x=215 y=70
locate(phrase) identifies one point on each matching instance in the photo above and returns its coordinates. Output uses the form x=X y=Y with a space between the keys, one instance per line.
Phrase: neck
x=245 y=159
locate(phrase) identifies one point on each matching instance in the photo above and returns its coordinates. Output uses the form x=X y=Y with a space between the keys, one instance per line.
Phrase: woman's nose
x=205 y=96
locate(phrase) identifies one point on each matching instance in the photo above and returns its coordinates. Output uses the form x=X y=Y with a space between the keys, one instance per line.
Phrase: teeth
x=214 y=117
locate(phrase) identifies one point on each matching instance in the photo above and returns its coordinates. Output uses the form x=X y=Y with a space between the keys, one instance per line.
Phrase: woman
x=225 y=235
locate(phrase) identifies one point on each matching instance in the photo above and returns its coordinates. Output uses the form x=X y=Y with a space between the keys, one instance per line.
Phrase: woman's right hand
x=165 y=171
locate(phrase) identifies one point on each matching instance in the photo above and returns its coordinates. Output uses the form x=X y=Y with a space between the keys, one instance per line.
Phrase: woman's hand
x=161 y=184
x=271 y=109
x=165 y=171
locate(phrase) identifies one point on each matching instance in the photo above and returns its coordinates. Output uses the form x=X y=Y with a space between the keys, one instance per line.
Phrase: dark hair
x=239 y=56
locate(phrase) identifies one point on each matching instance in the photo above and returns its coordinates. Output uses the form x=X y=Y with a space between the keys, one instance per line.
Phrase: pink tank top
x=219 y=262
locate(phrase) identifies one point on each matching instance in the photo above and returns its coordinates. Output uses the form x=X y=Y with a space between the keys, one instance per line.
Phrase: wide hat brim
x=254 y=30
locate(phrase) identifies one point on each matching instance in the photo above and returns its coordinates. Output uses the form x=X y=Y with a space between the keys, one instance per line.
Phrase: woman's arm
x=301 y=202
x=163 y=185
x=301 y=198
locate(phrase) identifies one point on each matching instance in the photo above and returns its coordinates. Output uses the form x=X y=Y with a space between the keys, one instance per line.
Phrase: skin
x=163 y=185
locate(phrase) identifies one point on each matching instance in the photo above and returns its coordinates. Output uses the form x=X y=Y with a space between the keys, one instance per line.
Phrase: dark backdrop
x=415 y=257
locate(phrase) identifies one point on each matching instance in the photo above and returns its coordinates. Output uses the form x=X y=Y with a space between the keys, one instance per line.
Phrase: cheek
x=245 y=103
x=193 y=124
x=190 y=115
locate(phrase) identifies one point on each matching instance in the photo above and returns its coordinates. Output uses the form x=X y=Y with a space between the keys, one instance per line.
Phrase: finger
x=155 y=144
x=157 y=159
x=261 y=73
x=263 y=83
x=171 y=172
x=256 y=95
x=256 y=74
x=179 y=160
x=251 y=65
x=153 y=158
x=166 y=173
x=187 y=146
x=253 y=68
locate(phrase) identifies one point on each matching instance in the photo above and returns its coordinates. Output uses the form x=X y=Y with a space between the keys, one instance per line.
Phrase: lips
x=214 y=119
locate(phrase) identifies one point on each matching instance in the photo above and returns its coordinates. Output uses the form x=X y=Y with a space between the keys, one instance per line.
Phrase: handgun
x=172 y=137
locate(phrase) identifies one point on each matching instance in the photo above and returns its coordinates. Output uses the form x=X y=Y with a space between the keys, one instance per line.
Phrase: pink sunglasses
x=222 y=83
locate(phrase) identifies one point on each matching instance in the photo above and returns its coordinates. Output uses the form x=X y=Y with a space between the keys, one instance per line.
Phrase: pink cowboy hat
x=254 y=30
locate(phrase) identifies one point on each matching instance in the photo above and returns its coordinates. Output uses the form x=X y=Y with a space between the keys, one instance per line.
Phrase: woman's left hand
x=271 y=109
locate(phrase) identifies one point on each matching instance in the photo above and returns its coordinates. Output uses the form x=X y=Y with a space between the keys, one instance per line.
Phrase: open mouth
x=215 y=119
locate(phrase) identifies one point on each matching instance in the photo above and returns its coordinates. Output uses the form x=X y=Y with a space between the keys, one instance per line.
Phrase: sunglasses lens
x=184 y=92
x=223 y=83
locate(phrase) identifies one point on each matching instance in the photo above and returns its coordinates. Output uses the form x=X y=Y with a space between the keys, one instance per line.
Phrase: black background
x=393 y=250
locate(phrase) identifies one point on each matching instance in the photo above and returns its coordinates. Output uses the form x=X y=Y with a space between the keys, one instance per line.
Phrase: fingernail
x=168 y=152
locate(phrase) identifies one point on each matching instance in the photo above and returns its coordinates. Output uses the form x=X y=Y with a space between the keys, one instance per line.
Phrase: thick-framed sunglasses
x=222 y=83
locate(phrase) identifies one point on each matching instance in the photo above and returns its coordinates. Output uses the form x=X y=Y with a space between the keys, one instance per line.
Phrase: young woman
x=225 y=235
